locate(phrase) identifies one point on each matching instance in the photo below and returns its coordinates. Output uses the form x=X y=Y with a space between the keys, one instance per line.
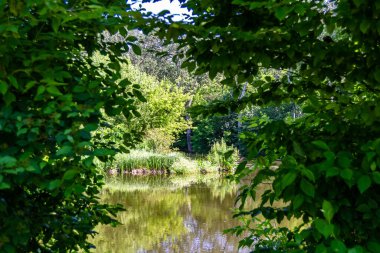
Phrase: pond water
x=169 y=214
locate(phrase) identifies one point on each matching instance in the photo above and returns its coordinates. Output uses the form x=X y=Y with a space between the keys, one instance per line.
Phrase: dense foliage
x=51 y=94
x=330 y=157
x=160 y=113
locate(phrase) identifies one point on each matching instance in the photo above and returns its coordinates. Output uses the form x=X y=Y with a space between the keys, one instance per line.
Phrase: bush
x=157 y=140
x=51 y=94
x=205 y=166
x=183 y=165
x=225 y=157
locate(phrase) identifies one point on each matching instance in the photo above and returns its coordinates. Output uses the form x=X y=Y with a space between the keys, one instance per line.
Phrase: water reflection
x=170 y=215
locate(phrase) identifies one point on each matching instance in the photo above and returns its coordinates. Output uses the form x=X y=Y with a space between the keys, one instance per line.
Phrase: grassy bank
x=144 y=162
x=129 y=183
x=220 y=158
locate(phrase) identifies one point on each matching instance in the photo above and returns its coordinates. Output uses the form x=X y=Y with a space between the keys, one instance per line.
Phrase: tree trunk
x=188 y=131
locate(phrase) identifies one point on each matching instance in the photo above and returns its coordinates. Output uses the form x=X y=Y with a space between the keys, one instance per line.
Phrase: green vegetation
x=130 y=183
x=161 y=112
x=223 y=156
x=323 y=57
x=141 y=162
x=288 y=82
x=51 y=95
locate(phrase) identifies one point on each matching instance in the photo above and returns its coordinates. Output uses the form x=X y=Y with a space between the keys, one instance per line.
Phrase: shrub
x=51 y=95
x=183 y=165
x=205 y=166
x=157 y=140
x=224 y=156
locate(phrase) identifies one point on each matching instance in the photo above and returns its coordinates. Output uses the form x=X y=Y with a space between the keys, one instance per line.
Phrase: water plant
x=140 y=159
x=224 y=156
x=183 y=165
x=146 y=162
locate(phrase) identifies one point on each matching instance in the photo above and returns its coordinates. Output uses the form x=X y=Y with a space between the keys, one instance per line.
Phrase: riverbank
x=129 y=182
x=141 y=162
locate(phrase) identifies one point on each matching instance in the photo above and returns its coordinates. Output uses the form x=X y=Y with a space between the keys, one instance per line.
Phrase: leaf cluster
x=328 y=159
x=51 y=94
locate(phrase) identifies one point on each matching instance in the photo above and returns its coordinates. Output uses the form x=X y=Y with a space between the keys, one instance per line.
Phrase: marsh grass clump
x=146 y=162
x=183 y=165
x=143 y=160
x=223 y=156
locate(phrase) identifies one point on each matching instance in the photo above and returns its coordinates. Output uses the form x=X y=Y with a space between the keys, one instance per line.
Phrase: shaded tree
x=51 y=95
x=329 y=175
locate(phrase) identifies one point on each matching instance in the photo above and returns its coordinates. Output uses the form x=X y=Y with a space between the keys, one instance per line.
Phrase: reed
x=140 y=161
x=129 y=183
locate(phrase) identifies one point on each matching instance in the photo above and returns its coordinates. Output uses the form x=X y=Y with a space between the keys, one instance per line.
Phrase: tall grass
x=175 y=163
x=139 y=159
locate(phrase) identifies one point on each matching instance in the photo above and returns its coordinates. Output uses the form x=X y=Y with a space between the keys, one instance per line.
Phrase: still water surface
x=170 y=214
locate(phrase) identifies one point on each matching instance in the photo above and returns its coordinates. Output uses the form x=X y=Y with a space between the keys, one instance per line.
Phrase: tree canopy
x=51 y=94
x=328 y=176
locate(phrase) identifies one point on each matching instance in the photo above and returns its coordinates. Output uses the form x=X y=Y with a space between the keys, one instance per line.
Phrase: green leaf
x=307 y=187
x=377 y=74
x=357 y=249
x=320 y=144
x=300 y=9
x=282 y=12
x=374 y=247
x=308 y=174
x=4 y=185
x=136 y=49
x=338 y=246
x=255 y=5
x=40 y=90
x=364 y=183
x=139 y=95
x=131 y=38
x=298 y=201
x=91 y=127
x=70 y=174
x=9 y=98
x=321 y=249
x=328 y=210
x=79 y=188
x=3 y=87
x=324 y=228
x=53 y=90
x=297 y=149
x=332 y=171
x=240 y=167
x=288 y=179
x=54 y=184
x=13 y=81
x=365 y=25
x=347 y=174
x=55 y=24
x=29 y=85
x=65 y=150
x=8 y=161
x=376 y=177
x=358 y=2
